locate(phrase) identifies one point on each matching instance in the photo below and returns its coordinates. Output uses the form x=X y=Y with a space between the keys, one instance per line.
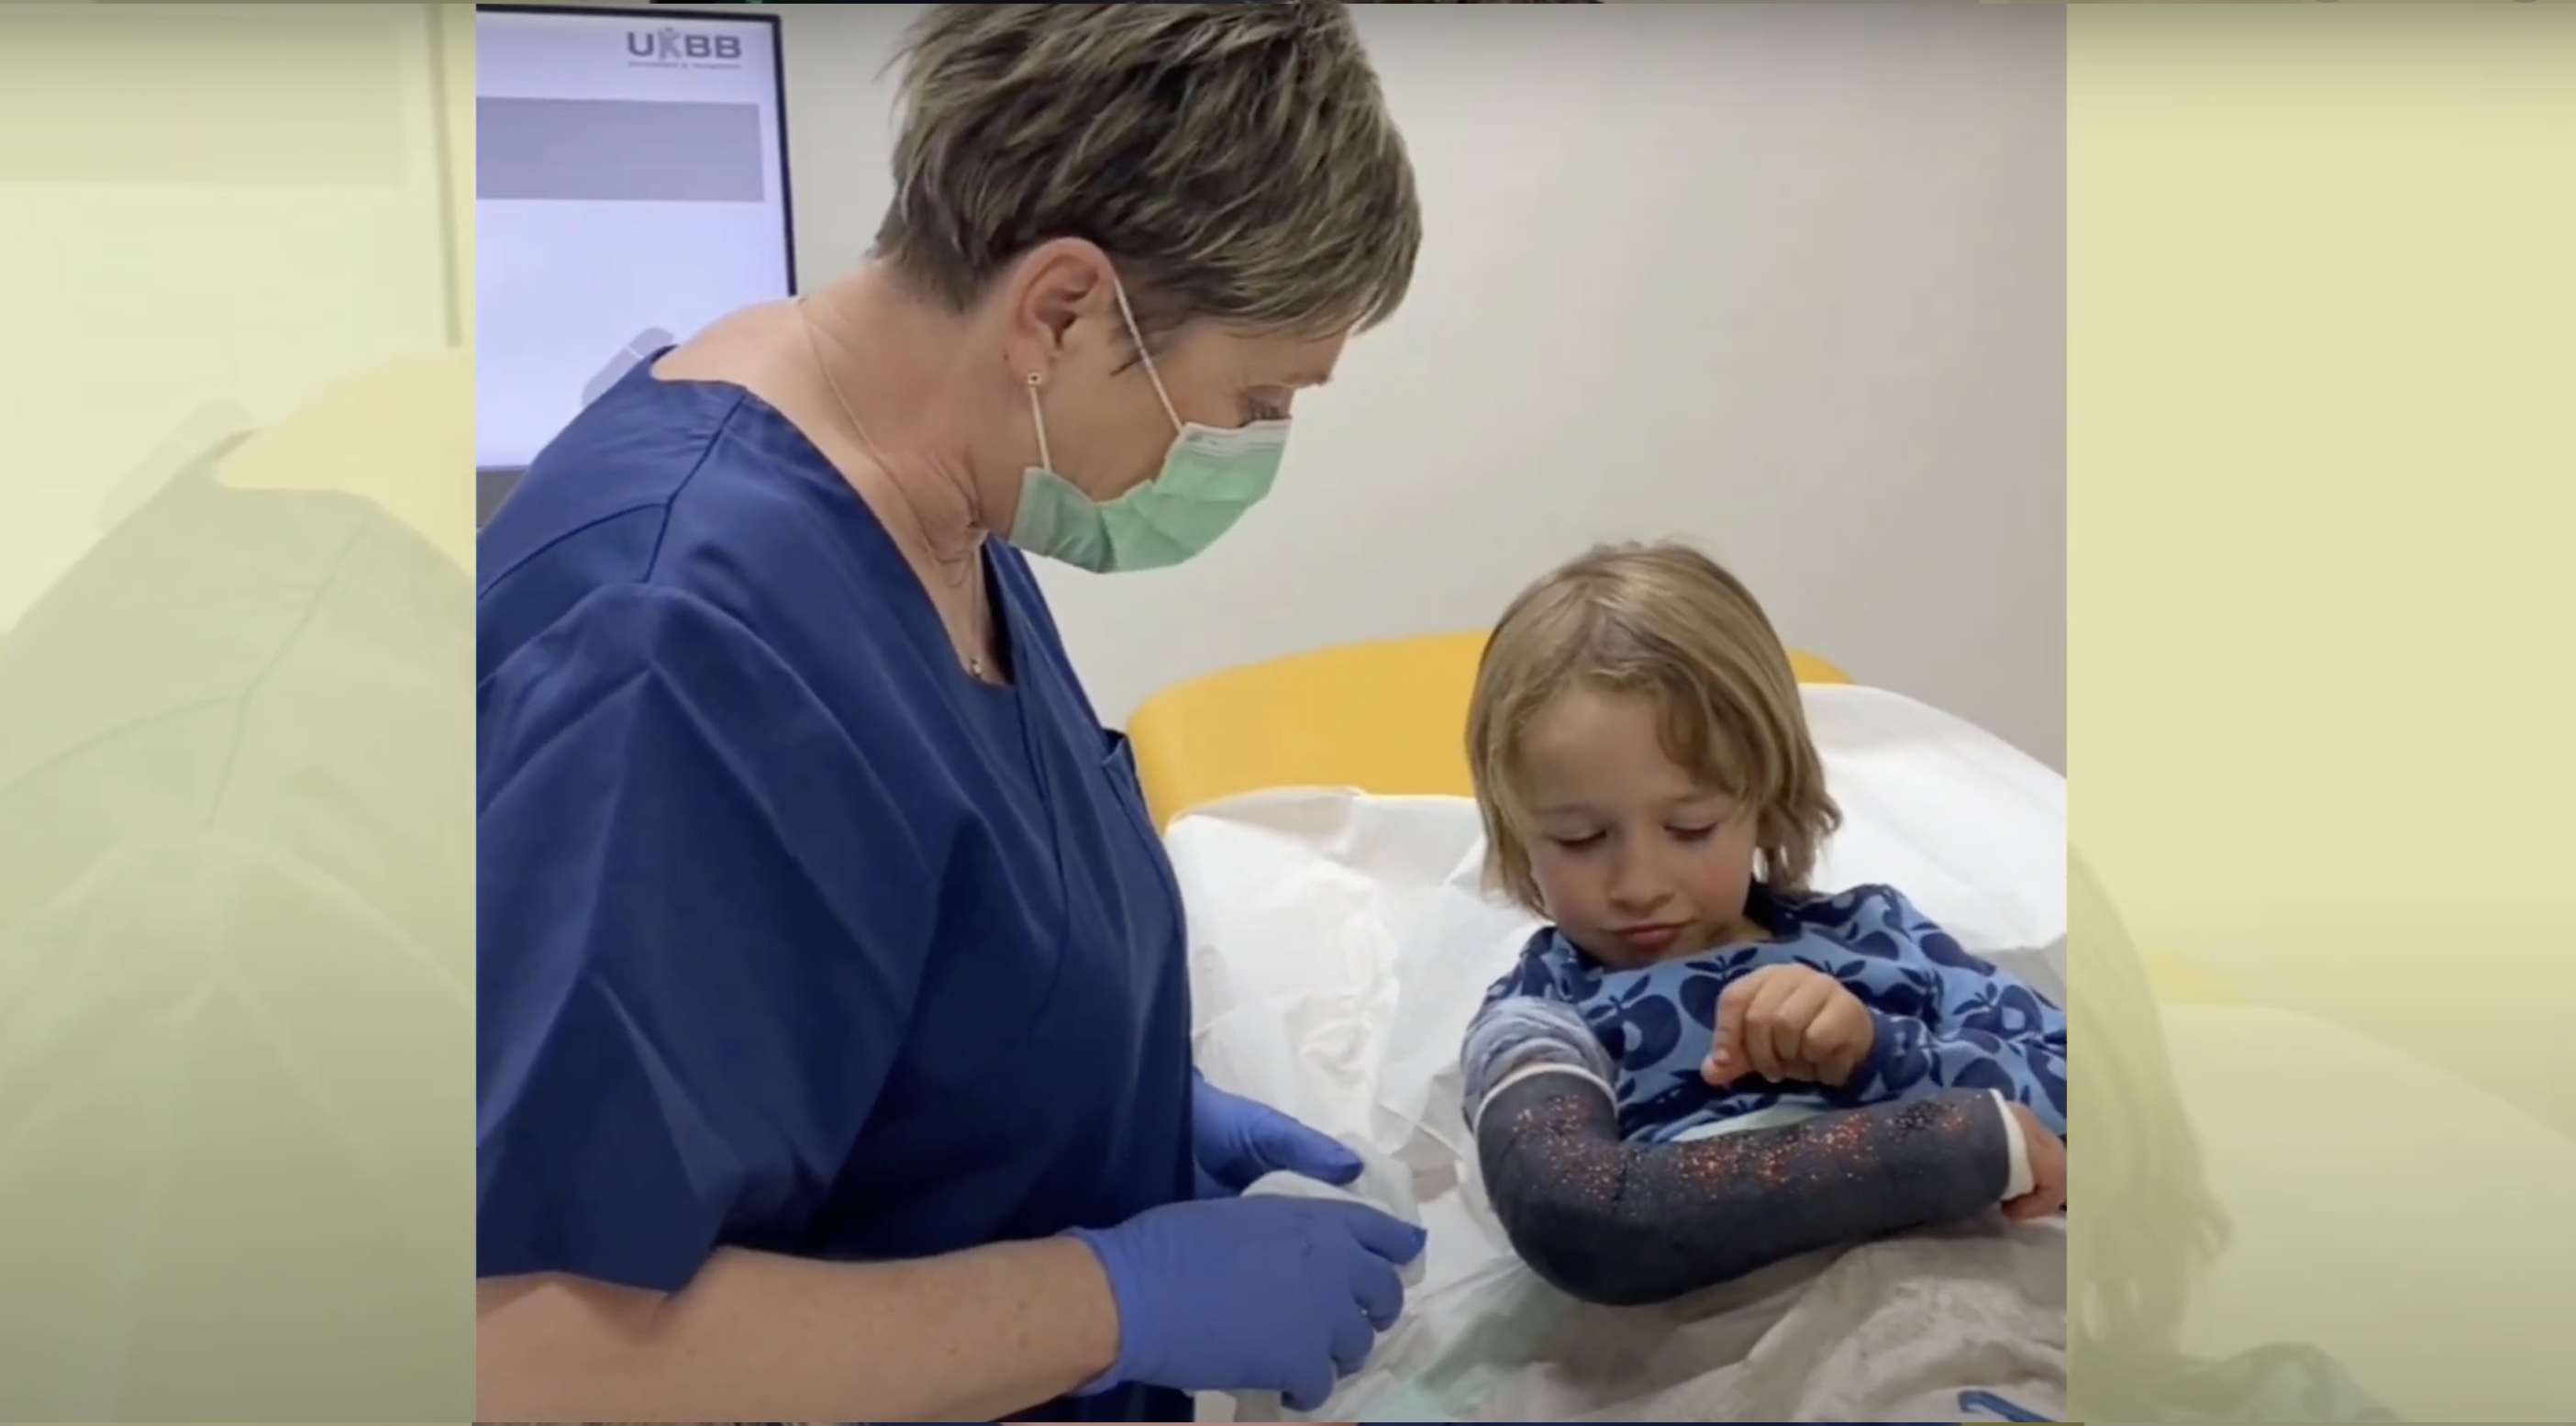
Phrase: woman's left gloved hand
x=1237 y=1141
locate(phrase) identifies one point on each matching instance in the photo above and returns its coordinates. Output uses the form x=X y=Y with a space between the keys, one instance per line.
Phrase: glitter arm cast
x=1630 y=1224
x=1980 y=1028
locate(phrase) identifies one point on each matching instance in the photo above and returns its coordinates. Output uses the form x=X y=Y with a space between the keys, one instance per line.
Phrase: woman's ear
x=1055 y=285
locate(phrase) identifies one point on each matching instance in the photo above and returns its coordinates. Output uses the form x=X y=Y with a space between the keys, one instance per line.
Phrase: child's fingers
x=1765 y=1027
x=2036 y=1204
x=1843 y=1041
x=1726 y=1053
x=1795 y=1037
x=1742 y=1027
x=2046 y=1197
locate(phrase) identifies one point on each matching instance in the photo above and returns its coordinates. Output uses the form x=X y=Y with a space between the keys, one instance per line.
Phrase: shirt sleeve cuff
x=2020 y=1179
x=1882 y=1046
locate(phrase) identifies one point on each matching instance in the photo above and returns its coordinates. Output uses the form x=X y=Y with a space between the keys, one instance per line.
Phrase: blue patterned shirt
x=1944 y=1018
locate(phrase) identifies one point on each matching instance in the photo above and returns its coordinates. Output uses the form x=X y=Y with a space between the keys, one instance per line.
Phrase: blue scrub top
x=792 y=936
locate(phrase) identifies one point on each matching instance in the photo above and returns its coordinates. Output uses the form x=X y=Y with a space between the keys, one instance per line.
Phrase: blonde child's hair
x=1663 y=621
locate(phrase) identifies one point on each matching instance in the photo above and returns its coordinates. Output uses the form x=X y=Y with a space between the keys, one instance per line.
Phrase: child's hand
x=2047 y=1170
x=1789 y=1023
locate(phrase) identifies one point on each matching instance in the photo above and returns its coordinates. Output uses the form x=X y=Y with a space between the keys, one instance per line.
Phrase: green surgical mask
x=1209 y=478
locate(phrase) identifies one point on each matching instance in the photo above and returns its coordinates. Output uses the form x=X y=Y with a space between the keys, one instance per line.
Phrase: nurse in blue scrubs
x=834 y=1023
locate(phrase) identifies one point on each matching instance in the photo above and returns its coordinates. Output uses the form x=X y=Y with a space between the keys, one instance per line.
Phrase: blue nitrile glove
x=1235 y=1141
x=1252 y=1294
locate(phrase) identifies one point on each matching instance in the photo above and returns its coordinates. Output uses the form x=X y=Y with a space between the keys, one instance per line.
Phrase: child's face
x=1637 y=862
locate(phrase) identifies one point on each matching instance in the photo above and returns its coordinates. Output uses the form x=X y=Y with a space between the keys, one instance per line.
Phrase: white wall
x=1787 y=280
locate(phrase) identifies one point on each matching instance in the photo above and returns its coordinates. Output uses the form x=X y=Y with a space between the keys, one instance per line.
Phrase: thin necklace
x=814 y=344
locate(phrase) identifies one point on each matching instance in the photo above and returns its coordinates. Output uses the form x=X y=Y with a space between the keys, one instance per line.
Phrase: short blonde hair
x=1666 y=622
x=1237 y=161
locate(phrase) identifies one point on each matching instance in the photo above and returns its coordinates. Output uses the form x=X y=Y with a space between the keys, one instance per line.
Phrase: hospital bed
x=1315 y=811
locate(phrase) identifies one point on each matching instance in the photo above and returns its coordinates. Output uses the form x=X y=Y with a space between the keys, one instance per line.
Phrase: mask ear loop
x=1037 y=418
x=1137 y=335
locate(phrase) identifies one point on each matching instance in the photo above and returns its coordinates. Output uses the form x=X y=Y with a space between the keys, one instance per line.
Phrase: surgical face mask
x=1210 y=476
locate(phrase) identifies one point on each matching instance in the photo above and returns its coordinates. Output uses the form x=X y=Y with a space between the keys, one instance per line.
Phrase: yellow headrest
x=1387 y=717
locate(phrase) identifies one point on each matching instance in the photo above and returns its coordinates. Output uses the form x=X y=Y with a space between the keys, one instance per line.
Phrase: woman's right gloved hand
x=1252 y=1294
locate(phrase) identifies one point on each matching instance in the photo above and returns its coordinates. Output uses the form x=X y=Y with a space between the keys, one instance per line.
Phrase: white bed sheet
x=1340 y=942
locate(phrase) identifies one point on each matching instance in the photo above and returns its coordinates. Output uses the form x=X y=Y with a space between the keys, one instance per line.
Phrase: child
x=1642 y=762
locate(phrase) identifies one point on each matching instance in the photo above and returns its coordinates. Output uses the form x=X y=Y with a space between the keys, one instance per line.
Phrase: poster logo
x=673 y=48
